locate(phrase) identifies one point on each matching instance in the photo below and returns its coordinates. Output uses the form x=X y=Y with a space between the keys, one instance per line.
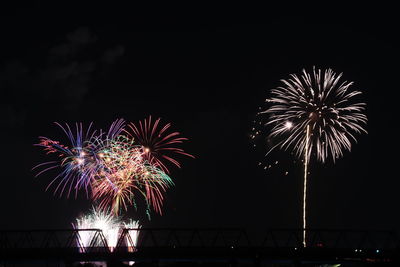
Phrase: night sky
x=207 y=77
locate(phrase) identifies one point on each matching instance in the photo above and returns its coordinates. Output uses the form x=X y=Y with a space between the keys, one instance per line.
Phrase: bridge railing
x=184 y=237
x=94 y=240
x=328 y=238
x=81 y=240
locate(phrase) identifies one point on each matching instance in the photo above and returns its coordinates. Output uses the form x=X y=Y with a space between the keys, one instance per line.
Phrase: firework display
x=104 y=221
x=114 y=167
x=158 y=143
x=313 y=115
x=111 y=227
x=321 y=101
x=76 y=160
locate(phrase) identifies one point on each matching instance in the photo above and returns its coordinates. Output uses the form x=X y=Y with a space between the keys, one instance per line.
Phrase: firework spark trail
x=314 y=114
x=115 y=129
x=75 y=160
x=155 y=182
x=305 y=186
x=159 y=145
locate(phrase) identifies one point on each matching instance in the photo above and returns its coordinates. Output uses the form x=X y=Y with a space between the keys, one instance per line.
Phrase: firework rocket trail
x=133 y=233
x=314 y=114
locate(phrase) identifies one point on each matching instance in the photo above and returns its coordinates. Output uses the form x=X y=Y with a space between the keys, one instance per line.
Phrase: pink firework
x=158 y=142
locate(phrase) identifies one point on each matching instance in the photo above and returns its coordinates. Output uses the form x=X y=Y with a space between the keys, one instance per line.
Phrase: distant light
x=377 y=251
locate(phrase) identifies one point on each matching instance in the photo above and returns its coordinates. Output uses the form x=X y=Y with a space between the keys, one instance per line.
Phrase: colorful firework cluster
x=114 y=167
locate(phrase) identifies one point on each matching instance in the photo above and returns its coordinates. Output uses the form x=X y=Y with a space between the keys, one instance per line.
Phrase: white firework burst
x=133 y=232
x=321 y=101
x=314 y=113
x=104 y=221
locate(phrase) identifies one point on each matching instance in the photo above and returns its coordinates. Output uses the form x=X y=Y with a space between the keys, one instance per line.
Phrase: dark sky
x=207 y=76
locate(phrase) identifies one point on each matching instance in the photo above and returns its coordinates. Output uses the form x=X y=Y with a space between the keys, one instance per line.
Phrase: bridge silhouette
x=200 y=246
